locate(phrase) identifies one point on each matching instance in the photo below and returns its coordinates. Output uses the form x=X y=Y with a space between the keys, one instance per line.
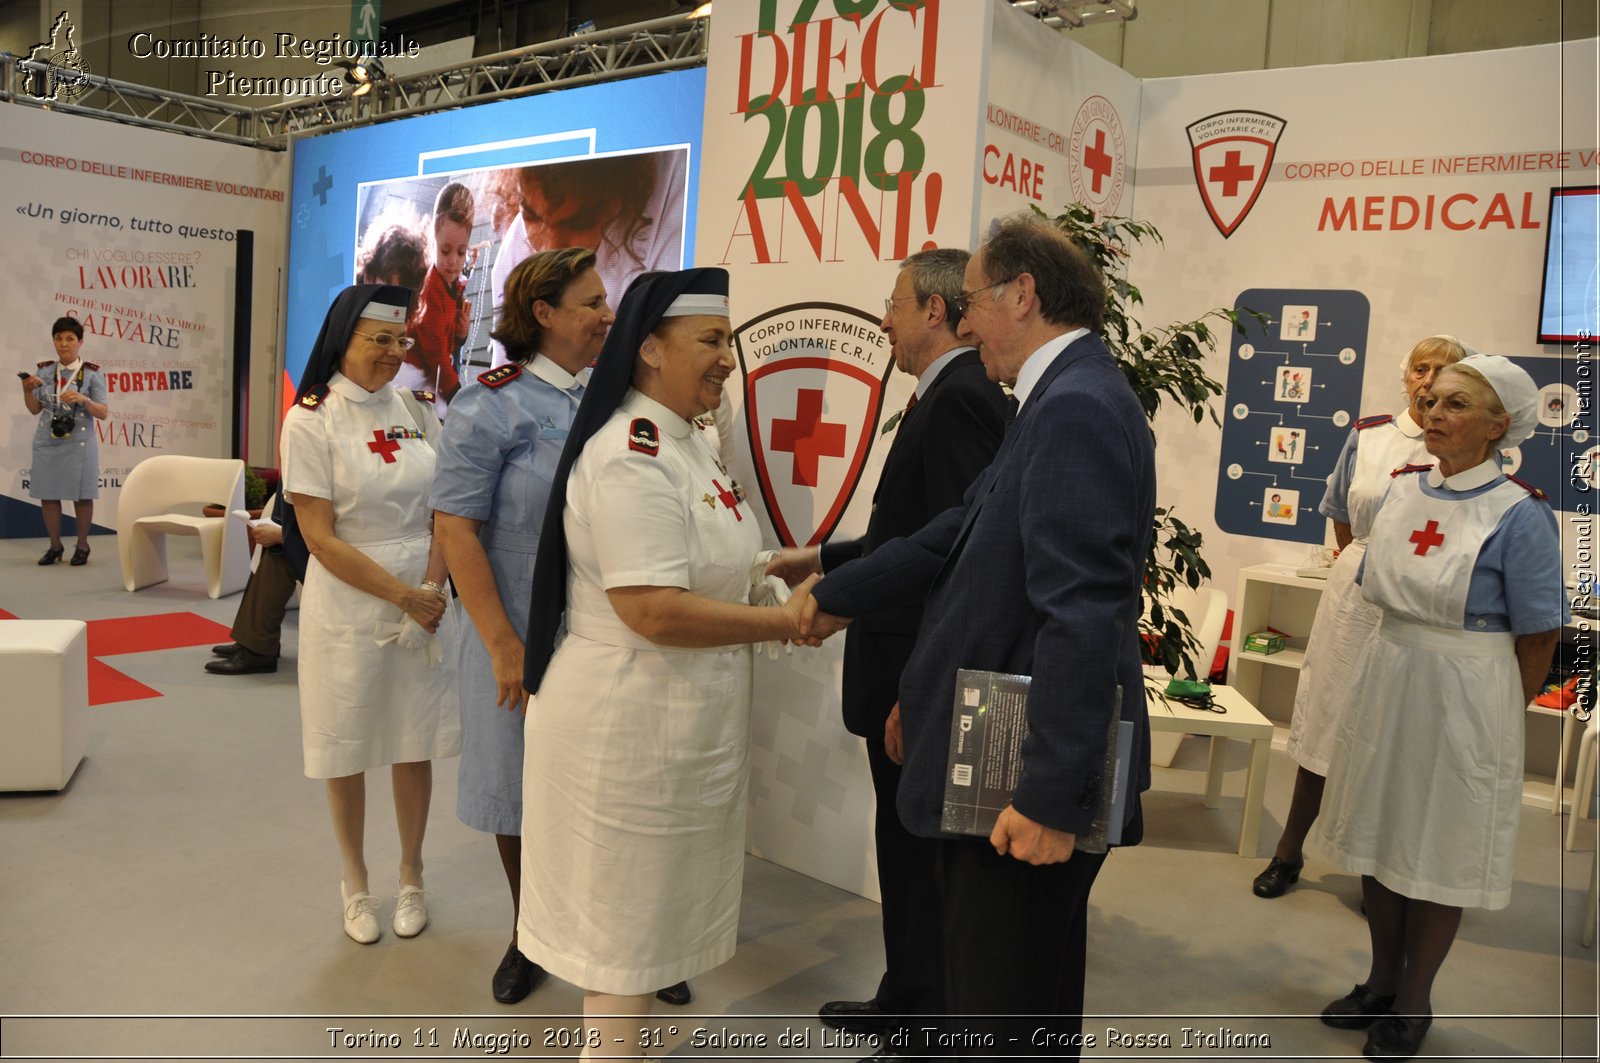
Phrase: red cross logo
x=1231 y=173
x=808 y=437
x=1427 y=537
x=1096 y=159
x=728 y=498
x=381 y=445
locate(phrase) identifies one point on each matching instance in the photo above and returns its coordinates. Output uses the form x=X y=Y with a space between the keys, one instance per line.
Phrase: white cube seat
x=44 y=667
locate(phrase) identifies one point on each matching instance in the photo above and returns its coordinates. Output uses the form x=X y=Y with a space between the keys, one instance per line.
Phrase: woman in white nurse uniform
x=638 y=732
x=1375 y=447
x=376 y=685
x=1425 y=783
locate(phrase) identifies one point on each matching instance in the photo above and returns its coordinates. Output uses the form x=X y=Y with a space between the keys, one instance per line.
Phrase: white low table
x=1242 y=722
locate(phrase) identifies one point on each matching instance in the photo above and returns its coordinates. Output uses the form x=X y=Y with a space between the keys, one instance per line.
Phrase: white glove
x=768 y=590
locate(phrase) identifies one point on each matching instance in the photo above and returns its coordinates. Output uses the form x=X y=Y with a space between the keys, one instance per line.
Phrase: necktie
x=1011 y=409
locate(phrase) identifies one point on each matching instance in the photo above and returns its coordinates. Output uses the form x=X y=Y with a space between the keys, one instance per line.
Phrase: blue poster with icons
x=1293 y=389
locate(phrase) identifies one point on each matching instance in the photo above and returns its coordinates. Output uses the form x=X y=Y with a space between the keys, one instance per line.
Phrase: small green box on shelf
x=1264 y=642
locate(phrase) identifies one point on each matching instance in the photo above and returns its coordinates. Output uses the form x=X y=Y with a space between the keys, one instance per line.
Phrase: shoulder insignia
x=92 y=365
x=44 y=363
x=1375 y=421
x=422 y=396
x=313 y=398
x=1410 y=468
x=643 y=437
x=501 y=374
x=1528 y=487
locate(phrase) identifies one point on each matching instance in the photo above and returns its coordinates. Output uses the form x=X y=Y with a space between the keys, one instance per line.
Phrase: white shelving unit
x=1272 y=596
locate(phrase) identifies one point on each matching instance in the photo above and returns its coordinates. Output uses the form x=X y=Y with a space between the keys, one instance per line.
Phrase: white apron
x=636 y=756
x=364 y=700
x=1425 y=785
x=1344 y=620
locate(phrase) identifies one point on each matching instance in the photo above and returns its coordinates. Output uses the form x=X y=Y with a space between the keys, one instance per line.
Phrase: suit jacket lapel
x=966 y=357
x=1081 y=348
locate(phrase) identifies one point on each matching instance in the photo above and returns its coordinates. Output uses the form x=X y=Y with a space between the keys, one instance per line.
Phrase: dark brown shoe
x=1395 y=1037
x=242 y=663
x=80 y=556
x=52 y=555
x=227 y=649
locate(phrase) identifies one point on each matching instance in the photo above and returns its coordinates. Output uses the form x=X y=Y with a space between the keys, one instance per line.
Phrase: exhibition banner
x=612 y=167
x=131 y=232
x=1359 y=214
x=840 y=137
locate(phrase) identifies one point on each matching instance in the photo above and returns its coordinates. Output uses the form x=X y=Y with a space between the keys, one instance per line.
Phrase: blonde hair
x=1445 y=349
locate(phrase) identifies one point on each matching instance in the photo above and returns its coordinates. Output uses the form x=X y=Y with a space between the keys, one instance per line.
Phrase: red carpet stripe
x=138 y=634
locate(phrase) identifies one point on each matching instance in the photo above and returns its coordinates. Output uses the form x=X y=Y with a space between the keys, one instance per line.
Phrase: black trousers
x=913 y=977
x=1015 y=948
x=257 y=624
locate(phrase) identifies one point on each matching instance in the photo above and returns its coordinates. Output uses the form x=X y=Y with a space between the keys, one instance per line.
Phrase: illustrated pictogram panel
x=1293 y=391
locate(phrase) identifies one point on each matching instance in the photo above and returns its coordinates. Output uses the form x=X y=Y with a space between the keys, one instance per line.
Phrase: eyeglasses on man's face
x=888 y=303
x=384 y=340
x=963 y=302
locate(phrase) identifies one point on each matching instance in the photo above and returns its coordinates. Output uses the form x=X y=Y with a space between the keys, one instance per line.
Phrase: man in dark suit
x=947 y=434
x=1038 y=574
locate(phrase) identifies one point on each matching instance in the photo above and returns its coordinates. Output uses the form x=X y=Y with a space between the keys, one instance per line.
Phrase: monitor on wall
x=1569 y=303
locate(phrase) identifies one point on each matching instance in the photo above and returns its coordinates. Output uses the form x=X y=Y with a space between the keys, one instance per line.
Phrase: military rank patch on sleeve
x=643 y=437
x=499 y=375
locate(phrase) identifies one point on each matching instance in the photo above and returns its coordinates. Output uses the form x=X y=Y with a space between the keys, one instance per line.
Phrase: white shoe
x=360 y=916
x=410 y=911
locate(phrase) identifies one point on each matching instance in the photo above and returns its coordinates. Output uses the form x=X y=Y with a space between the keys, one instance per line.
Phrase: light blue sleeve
x=471 y=453
x=1335 y=500
x=96 y=389
x=1516 y=583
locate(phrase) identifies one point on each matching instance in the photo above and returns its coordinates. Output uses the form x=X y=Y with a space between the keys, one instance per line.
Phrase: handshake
x=801 y=568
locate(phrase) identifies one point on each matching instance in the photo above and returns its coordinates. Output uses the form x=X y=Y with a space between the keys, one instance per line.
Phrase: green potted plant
x=256 y=490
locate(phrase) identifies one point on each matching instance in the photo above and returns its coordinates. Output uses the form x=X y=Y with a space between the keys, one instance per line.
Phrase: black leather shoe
x=80 y=556
x=227 y=649
x=1395 y=1037
x=52 y=555
x=242 y=663
x=857 y=1016
x=516 y=977
x=677 y=994
x=1277 y=878
x=1357 y=1009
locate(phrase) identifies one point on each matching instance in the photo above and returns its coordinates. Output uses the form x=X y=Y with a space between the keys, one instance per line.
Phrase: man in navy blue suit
x=945 y=437
x=1039 y=574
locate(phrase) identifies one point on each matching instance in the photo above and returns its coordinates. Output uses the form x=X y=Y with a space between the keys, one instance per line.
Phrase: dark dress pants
x=257 y=624
x=909 y=886
x=1014 y=941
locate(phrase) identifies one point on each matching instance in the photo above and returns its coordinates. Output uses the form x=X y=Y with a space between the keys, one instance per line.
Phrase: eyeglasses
x=888 y=304
x=963 y=302
x=384 y=340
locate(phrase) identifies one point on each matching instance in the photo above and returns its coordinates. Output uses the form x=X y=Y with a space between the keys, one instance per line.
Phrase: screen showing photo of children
x=454 y=238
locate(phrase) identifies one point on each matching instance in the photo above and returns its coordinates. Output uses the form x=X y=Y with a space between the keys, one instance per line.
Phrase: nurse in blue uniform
x=1425 y=784
x=70 y=394
x=497 y=457
x=1375 y=447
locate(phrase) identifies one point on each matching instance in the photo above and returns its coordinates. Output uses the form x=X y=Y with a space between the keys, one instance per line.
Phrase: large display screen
x=448 y=203
x=1569 y=304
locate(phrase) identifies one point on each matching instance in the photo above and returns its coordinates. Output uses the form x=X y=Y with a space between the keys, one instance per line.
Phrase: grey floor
x=188 y=873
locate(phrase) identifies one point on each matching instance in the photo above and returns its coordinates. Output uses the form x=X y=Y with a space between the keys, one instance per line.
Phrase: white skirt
x=364 y=705
x=1327 y=682
x=634 y=775
x=1425 y=788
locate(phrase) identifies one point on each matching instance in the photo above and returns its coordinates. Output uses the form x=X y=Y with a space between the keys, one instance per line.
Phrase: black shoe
x=1277 y=878
x=1395 y=1037
x=516 y=977
x=52 y=555
x=677 y=994
x=857 y=1016
x=227 y=649
x=80 y=556
x=244 y=662
x=1357 y=1009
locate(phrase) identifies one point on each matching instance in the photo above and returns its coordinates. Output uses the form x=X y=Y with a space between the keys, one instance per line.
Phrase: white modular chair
x=1207 y=610
x=145 y=517
x=44 y=718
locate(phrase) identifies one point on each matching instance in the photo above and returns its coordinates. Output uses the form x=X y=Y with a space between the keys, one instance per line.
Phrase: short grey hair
x=939 y=271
